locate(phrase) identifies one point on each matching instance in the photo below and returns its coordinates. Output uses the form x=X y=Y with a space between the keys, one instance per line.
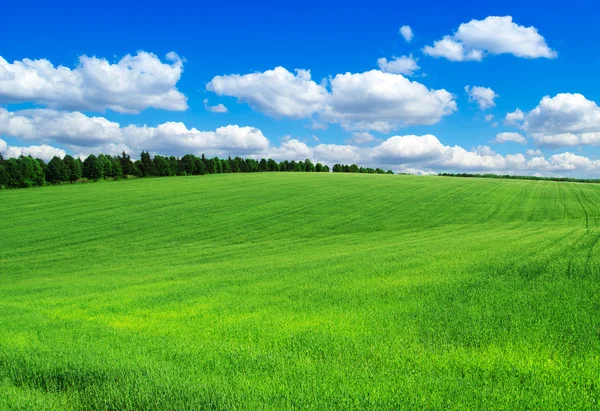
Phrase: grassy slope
x=301 y=291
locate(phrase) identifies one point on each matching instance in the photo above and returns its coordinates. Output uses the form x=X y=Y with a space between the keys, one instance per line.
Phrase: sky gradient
x=461 y=87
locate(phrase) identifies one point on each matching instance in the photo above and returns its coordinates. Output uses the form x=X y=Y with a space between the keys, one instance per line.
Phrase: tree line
x=514 y=177
x=25 y=171
x=353 y=168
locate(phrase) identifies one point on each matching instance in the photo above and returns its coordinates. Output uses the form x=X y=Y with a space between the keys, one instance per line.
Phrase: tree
x=74 y=167
x=337 y=168
x=126 y=164
x=326 y=168
x=92 y=168
x=308 y=166
x=161 y=166
x=272 y=165
x=3 y=174
x=146 y=164
x=389 y=172
x=57 y=171
x=319 y=167
x=262 y=165
x=187 y=164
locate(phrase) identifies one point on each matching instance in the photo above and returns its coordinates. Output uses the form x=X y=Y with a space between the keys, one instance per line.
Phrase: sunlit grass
x=271 y=291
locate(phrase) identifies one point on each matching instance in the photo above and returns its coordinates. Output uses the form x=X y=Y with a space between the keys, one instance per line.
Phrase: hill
x=300 y=290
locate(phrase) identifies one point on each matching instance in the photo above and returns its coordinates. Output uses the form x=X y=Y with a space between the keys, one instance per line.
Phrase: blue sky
x=329 y=39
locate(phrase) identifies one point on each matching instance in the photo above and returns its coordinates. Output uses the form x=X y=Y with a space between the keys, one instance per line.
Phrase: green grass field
x=301 y=291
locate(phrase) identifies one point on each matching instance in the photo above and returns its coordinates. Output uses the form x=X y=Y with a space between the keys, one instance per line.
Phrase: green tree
x=74 y=167
x=146 y=164
x=57 y=171
x=308 y=166
x=92 y=168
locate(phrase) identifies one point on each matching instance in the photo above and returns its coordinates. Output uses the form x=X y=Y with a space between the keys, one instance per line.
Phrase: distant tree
x=92 y=168
x=57 y=171
x=146 y=164
x=200 y=168
x=337 y=168
x=272 y=165
x=161 y=166
x=319 y=167
x=187 y=164
x=262 y=165
x=217 y=165
x=389 y=172
x=226 y=165
x=74 y=167
x=126 y=164
x=326 y=168
x=4 y=178
x=308 y=166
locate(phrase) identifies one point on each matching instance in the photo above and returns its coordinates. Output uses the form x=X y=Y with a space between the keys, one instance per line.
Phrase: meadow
x=300 y=291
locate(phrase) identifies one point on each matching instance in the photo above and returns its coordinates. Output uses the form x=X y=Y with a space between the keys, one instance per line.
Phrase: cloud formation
x=406 y=65
x=277 y=93
x=407 y=33
x=483 y=96
x=132 y=84
x=83 y=135
x=502 y=138
x=372 y=100
x=493 y=35
x=565 y=120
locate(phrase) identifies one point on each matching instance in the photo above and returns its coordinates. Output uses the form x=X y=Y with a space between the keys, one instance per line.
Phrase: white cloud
x=277 y=92
x=534 y=153
x=406 y=65
x=493 y=35
x=502 y=138
x=514 y=118
x=452 y=50
x=483 y=96
x=219 y=108
x=361 y=137
x=425 y=154
x=383 y=101
x=564 y=120
x=407 y=33
x=488 y=118
x=315 y=125
x=130 y=85
x=373 y=100
x=44 y=151
x=84 y=135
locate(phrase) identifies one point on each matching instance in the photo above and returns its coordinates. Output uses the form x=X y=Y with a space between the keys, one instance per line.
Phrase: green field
x=301 y=291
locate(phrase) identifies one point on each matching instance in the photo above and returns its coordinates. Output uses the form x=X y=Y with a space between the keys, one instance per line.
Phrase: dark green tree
x=74 y=167
x=57 y=171
x=92 y=168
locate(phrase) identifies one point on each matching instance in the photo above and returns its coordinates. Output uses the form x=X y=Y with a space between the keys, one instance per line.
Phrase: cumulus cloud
x=360 y=138
x=488 y=118
x=380 y=101
x=493 y=35
x=130 y=85
x=502 y=138
x=277 y=92
x=564 y=120
x=483 y=96
x=406 y=65
x=407 y=33
x=514 y=118
x=219 y=108
x=373 y=100
x=84 y=135
x=533 y=153
x=44 y=151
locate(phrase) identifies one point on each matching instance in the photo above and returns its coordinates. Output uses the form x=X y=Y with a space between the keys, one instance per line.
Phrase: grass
x=301 y=291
